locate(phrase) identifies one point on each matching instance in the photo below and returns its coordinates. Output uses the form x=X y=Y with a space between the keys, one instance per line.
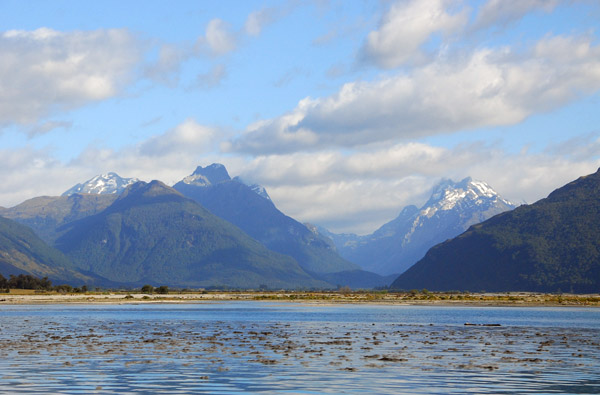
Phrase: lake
x=263 y=347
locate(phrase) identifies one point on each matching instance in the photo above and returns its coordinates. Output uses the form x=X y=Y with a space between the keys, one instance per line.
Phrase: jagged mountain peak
x=447 y=194
x=215 y=174
x=452 y=208
x=547 y=246
x=209 y=175
x=103 y=184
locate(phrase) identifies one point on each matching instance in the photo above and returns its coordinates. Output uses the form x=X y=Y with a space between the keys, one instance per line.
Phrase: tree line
x=27 y=281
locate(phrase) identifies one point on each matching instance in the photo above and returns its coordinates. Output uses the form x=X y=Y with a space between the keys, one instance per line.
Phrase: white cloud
x=353 y=192
x=484 y=89
x=167 y=157
x=219 y=37
x=502 y=12
x=167 y=65
x=46 y=126
x=28 y=172
x=406 y=27
x=258 y=20
x=359 y=192
x=44 y=71
x=188 y=137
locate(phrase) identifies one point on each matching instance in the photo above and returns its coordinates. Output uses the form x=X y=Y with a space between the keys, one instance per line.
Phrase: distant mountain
x=22 y=252
x=249 y=208
x=153 y=234
x=398 y=244
x=552 y=245
x=45 y=215
x=104 y=184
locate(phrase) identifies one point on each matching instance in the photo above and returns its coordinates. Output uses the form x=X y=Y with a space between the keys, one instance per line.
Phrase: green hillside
x=46 y=214
x=152 y=234
x=549 y=246
x=22 y=252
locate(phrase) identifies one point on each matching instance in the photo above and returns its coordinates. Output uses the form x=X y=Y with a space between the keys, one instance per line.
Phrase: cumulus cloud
x=406 y=27
x=328 y=166
x=44 y=71
x=189 y=136
x=361 y=191
x=356 y=191
x=501 y=12
x=28 y=172
x=489 y=87
x=167 y=157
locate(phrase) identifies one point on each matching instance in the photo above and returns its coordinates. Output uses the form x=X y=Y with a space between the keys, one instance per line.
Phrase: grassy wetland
x=416 y=297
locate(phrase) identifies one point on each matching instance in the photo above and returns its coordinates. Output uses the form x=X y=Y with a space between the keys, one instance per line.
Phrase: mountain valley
x=398 y=244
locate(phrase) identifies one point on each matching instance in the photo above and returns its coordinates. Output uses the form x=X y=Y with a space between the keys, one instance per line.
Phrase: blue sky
x=346 y=111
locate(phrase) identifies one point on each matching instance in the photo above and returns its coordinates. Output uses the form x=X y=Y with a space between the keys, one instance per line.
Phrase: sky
x=345 y=111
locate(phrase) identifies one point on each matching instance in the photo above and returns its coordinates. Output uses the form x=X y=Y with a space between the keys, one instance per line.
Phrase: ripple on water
x=302 y=349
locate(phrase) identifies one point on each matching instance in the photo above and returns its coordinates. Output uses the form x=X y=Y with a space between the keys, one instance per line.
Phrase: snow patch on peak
x=260 y=191
x=448 y=194
x=483 y=189
x=256 y=188
x=107 y=183
x=196 y=179
x=209 y=175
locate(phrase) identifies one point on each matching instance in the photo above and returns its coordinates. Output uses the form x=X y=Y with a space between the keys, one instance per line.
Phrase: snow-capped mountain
x=217 y=173
x=398 y=244
x=104 y=184
x=209 y=175
x=249 y=208
x=258 y=189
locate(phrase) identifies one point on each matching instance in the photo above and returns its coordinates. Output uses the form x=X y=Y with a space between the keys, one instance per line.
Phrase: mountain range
x=68 y=222
x=153 y=234
x=211 y=230
x=552 y=245
x=251 y=209
x=398 y=244
x=109 y=183
x=256 y=214
x=47 y=214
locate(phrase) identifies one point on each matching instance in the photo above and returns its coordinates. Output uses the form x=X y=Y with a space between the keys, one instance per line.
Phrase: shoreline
x=515 y=299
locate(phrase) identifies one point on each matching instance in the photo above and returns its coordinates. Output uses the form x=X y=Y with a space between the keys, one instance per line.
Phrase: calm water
x=259 y=347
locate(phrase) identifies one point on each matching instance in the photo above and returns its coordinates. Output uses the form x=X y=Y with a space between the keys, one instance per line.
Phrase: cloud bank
x=486 y=88
x=45 y=71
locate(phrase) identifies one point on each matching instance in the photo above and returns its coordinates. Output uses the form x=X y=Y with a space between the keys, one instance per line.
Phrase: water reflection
x=267 y=348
